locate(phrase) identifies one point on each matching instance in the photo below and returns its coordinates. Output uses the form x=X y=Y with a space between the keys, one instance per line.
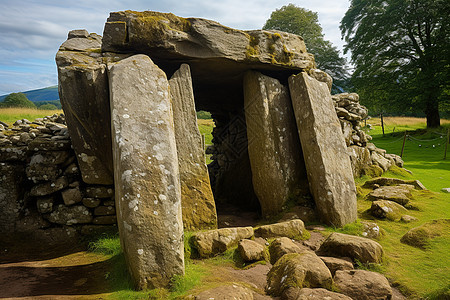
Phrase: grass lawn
x=10 y=115
x=424 y=274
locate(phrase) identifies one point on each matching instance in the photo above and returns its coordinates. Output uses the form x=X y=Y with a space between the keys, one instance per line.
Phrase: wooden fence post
x=403 y=146
x=382 y=122
x=446 y=143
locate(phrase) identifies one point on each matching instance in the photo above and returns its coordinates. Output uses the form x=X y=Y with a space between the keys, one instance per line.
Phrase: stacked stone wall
x=40 y=177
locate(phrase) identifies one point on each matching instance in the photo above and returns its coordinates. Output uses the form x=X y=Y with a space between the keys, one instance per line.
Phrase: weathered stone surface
x=147 y=185
x=397 y=193
x=360 y=159
x=385 y=181
x=334 y=264
x=82 y=42
x=226 y=292
x=321 y=76
x=381 y=161
x=408 y=219
x=83 y=88
x=251 y=250
x=104 y=220
x=445 y=190
x=91 y=202
x=71 y=196
x=280 y=247
x=156 y=33
x=357 y=248
x=421 y=236
x=49 y=157
x=13 y=153
x=96 y=230
x=104 y=211
x=296 y=293
x=47 y=144
x=278 y=170
x=49 y=187
x=212 y=242
x=45 y=205
x=99 y=191
x=385 y=209
x=197 y=200
x=364 y=285
x=298 y=270
x=327 y=163
x=43 y=172
x=71 y=215
x=11 y=195
x=294 y=229
x=371 y=230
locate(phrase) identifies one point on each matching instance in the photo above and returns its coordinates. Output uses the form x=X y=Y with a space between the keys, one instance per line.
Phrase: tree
x=401 y=52
x=17 y=100
x=293 y=19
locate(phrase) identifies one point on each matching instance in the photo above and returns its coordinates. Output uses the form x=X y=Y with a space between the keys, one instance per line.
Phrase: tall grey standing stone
x=197 y=200
x=83 y=90
x=324 y=149
x=147 y=185
x=273 y=144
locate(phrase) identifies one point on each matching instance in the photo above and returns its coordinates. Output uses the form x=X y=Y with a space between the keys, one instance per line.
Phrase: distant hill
x=45 y=94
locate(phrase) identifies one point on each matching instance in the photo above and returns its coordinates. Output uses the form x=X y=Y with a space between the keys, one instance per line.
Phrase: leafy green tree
x=293 y=19
x=47 y=107
x=17 y=100
x=401 y=53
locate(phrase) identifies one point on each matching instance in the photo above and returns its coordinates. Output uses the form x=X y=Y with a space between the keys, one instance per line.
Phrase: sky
x=31 y=31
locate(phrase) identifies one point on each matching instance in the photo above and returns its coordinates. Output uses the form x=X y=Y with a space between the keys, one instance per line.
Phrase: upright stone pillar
x=197 y=200
x=146 y=176
x=273 y=145
x=83 y=89
x=324 y=149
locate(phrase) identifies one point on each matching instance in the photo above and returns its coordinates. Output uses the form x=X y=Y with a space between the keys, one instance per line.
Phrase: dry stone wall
x=41 y=179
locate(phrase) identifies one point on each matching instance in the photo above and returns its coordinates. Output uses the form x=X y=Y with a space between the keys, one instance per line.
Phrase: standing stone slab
x=324 y=149
x=83 y=90
x=197 y=200
x=147 y=186
x=273 y=144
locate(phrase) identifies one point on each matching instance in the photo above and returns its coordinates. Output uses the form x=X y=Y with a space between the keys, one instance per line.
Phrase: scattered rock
x=371 y=230
x=296 y=293
x=212 y=242
x=364 y=285
x=334 y=264
x=251 y=250
x=298 y=270
x=385 y=209
x=357 y=248
x=397 y=193
x=445 y=190
x=385 y=181
x=225 y=292
x=408 y=219
x=280 y=247
x=421 y=236
x=294 y=229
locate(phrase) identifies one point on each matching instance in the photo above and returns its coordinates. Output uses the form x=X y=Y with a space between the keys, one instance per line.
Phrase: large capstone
x=147 y=184
x=325 y=152
x=274 y=147
x=199 y=209
x=83 y=90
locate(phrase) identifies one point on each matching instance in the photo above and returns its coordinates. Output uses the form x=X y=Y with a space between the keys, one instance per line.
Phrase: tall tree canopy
x=303 y=22
x=17 y=100
x=401 y=53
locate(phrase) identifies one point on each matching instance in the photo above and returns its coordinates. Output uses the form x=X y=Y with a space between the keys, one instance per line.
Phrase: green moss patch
x=421 y=236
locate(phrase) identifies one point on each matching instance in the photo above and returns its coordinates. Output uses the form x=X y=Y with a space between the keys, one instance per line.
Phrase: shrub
x=203 y=115
x=17 y=100
x=48 y=107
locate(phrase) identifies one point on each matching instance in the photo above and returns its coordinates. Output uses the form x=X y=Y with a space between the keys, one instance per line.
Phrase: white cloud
x=33 y=30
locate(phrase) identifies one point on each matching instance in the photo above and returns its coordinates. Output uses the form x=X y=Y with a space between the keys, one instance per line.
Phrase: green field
x=10 y=115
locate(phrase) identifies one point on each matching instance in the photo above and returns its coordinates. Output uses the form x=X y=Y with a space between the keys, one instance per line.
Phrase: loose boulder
x=334 y=264
x=226 y=292
x=327 y=163
x=212 y=242
x=294 y=229
x=364 y=285
x=298 y=270
x=251 y=250
x=385 y=209
x=421 y=236
x=147 y=184
x=281 y=246
x=397 y=193
x=357 y=248
x=295 y=293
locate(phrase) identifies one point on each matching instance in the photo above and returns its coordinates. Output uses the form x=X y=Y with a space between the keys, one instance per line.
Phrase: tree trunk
x=432 y=114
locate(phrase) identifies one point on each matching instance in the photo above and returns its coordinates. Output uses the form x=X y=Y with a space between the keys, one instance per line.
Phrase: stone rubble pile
x=40 y=173
x=324 y=269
